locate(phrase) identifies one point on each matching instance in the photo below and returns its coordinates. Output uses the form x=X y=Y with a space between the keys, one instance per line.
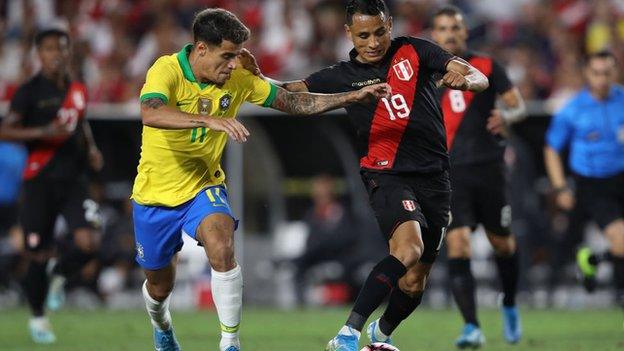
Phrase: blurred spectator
x=120 y=39
x=332 y=234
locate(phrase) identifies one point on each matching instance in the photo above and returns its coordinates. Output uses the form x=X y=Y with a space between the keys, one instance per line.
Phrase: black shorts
x=602 y=199
x=399 y=198
x=479 y=196
x=44 y=199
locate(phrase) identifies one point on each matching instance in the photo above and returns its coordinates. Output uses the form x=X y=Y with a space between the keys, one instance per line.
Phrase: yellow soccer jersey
x=175 y=165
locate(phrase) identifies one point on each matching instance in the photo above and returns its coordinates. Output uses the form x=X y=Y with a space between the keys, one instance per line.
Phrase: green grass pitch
x=309 y=330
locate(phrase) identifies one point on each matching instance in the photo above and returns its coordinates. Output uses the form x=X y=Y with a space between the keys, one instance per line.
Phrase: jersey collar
x=186 y=65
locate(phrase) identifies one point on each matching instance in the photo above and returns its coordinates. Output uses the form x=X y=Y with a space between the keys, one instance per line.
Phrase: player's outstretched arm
x=11 y=129
x=461 y=75
x=154 y=113
x=311 y=104
x=248 y=61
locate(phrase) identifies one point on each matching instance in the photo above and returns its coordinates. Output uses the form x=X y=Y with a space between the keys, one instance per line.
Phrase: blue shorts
x=158 y=229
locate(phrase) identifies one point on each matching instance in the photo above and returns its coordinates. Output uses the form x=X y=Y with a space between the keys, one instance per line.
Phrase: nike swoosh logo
x=180 y=103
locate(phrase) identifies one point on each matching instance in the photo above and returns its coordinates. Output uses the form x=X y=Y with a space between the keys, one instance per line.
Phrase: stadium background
x=541 y=44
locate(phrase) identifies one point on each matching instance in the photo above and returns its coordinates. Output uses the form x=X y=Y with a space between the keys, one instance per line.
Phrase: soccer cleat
x=229 y=345
x=165 y=340
x=587 y=268
x=343 y=343
x=373 y=333
x=41 y=330
x=471 y=337
x=512 y=329
x=56 y=293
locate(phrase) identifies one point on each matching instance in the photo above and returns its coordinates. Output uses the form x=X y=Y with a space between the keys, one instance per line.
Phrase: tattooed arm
x=154 y=113
x=311 y=104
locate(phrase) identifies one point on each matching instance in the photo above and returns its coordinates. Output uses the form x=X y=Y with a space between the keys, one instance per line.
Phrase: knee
x=504 y=247
x=615 y=234
x=410 y=254
x=458 y=243
x=84 y=240
x=160 y=291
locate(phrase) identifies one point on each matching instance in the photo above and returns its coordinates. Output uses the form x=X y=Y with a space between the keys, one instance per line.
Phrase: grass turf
x=309 y=330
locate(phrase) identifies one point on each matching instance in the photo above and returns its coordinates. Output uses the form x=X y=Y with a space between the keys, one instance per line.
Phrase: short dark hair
x=213 y=26
x=366 y=7
x=42 y=35
x=448 y=10
x=602 y=54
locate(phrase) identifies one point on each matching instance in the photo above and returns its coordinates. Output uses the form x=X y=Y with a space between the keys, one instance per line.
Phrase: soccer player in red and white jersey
x=475 y=128
x=47 y=114
x=403 y=157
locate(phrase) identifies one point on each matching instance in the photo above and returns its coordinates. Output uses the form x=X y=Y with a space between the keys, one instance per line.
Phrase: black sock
x=381 y=280
x=463 y=288
x=35 y=284
x=72 y=261
x=400 y=306
x=508 y=271
x=618 y=278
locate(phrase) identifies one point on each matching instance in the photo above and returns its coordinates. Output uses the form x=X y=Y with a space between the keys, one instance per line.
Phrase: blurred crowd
x=115 y=41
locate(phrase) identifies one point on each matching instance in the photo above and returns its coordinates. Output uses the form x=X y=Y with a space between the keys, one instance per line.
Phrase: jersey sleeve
x=431 y=55
x=262 y=93
x=324 y=81
x=499 y=79
x=159 y=82
x=561 y=128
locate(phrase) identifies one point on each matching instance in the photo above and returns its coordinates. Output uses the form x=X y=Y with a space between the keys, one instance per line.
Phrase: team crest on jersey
x=409 y=205
x=225 y=101
x=205 y=105
x=403 y=70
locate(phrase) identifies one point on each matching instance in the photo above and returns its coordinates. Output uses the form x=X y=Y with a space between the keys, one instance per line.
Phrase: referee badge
x=621 y=135
x=225 y=101
x=205 y=105
x=409 y=205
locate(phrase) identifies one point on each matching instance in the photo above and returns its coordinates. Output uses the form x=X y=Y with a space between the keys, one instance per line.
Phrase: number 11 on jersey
x=396 y=104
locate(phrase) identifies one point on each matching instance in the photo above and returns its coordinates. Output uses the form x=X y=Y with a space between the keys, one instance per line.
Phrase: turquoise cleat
x=343 y=343
x=56 y=293
x=41 y=331
x=232 y=348
x=471 y=337
x=373 y=333
x=165 y=340
x=512 y=329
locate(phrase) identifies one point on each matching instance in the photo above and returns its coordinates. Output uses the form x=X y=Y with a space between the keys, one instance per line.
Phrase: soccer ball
x=379 y=346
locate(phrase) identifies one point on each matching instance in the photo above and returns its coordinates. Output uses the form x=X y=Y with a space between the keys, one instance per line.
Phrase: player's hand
x=231 y=126
x=248 y=61
x=373 y=92
x=495 y=123
x=96 y=161
x=57 y=130
x=565 y=200
x=455 y=80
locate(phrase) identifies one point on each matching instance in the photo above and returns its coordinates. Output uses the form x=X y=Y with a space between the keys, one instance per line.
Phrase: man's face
x=371 y=36
x=601 y=75
x=450 y=33
x=216 y=63
x=54 y=53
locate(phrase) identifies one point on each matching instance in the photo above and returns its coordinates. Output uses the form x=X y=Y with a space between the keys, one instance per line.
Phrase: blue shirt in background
x=12 y=162
x=594 y=131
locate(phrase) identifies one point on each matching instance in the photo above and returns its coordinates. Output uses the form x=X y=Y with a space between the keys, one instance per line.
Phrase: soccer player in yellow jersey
x=188 y=107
